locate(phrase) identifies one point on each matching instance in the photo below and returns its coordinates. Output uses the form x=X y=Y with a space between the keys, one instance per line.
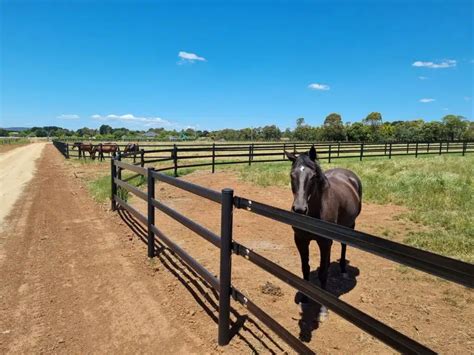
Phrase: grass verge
x=100 y=187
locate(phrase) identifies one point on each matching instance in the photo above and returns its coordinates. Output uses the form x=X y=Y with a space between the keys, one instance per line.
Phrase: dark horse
x=110 y=148
x=334 y=196
x=85 y=147
x=132 y=148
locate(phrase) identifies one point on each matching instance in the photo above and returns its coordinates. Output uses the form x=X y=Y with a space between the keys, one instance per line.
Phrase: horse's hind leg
x=343 y=262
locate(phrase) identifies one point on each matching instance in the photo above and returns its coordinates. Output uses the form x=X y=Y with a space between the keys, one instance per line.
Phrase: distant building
x=150 y=134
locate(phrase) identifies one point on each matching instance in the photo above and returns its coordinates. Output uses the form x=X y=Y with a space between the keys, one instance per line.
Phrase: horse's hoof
x=345 y=275
x=299 y=298
x=323 y=315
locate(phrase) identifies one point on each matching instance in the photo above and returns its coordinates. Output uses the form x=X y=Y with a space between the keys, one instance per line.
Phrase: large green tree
x=105 y=129
x=333 y=128
x=300 y=122
x=271 y=133
x=455 y=126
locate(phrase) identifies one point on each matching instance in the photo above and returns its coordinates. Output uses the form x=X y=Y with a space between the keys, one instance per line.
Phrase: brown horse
x=333 y=196
x=85 y=147
x=132 y=148
x=110 y=148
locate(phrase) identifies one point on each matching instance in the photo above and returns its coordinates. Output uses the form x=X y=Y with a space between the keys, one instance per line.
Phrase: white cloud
x=467 y=98
x=68 y=116
x=423 y=77
x=316 y=86
x=427 y=100
x=145 y=121
x=448 y=63
x=186 y=57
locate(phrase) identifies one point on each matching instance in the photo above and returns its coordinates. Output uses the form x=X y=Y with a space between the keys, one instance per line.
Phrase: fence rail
x=184 y=156
x=447 y=268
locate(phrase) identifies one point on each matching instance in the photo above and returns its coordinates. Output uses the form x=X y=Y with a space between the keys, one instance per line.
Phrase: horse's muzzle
x=300 y=210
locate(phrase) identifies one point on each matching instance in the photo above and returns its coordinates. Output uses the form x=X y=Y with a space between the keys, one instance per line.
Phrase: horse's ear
x=290 y=156
x=312 y=153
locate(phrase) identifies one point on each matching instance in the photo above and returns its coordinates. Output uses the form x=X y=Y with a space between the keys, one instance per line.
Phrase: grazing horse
x=132 y=148
x=110 y=148
x=333 y=196
x=85 y=147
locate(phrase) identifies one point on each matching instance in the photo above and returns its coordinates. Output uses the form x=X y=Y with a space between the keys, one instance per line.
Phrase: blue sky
x=84 y=63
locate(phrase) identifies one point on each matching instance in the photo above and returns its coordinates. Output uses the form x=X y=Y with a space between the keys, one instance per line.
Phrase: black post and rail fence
x=440 y=266
x=185 y=155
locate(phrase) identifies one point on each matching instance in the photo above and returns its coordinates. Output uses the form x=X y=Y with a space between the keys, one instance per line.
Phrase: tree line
x=370 y=129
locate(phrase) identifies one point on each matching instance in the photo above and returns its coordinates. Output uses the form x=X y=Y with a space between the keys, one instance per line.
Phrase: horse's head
x=131 y=147
x=305 y=176
x=94 y=149
x=76 y=145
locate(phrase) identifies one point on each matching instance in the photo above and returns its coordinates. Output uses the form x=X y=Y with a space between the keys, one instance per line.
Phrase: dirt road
x=17 y=167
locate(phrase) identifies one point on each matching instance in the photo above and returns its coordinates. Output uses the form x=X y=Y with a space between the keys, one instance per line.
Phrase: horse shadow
x=242 y=326
x=336 y=285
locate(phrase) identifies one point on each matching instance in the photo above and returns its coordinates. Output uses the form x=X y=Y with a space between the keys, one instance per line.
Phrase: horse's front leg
x=342 y=262
x=302 y=244
x=325 y=260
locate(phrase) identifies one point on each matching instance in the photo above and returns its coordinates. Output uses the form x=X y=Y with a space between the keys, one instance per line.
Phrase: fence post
x=284 y=150
x=142 y=158
x=447 y=147
x=113 y=174
x=440 y=147
x=408 y=148
x=428 y=148
x=390 y=151
x=213 y=157
x=67 y=150
x=338 y=148
x=385 y=149
x=175 y=160
x=329 y=154
x=151 y=213
x=416 y=150
x=464 y=147
x=294 y=148
x=361 y=151
x=225 y=266
x=119 y=170
x=250 y=154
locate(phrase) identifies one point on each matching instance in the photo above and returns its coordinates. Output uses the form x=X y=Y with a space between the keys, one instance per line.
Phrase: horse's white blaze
x=302 y=168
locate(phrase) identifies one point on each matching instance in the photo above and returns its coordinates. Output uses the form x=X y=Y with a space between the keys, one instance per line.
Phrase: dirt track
x=17 y=167
x=78 y=280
